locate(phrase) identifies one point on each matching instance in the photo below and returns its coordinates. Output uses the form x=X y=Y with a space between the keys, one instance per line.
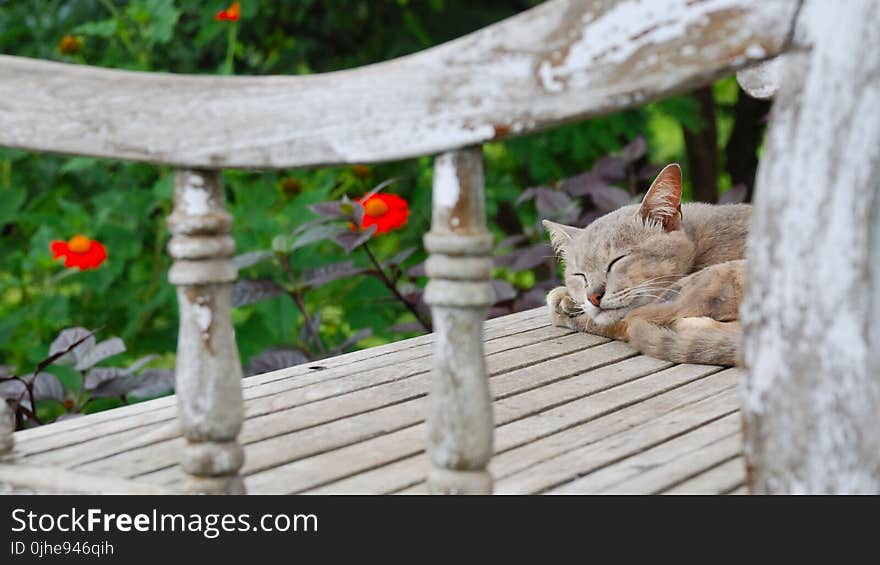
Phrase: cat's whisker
x=676 y=275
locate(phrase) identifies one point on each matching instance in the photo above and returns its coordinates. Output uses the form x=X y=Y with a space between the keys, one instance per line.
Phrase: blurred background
x=308 y=290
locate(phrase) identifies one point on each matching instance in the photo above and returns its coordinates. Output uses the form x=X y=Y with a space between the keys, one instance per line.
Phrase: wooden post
x=460 y=422
x=7 y=428
x=208 y=372
x=811 y=402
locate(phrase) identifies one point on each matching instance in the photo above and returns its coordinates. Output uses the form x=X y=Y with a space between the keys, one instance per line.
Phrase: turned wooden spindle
x=7 y=428
x=460 y=421
x=208 y=372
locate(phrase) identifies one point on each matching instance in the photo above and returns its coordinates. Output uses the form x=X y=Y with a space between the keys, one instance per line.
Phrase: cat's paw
x=562 y=308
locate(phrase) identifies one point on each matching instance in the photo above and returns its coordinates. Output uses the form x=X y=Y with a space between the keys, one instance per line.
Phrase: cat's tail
x=688 y=340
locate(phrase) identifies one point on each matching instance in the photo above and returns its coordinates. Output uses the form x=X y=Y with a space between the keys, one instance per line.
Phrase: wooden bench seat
x=573 y=413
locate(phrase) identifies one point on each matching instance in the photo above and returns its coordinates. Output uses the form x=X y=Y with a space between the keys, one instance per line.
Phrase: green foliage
x=124 y=205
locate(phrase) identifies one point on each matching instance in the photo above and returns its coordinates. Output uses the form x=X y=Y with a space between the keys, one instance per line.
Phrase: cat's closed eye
x=611 y=264
x=580 y=275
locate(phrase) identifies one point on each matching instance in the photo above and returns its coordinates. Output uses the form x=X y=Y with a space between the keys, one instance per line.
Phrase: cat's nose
x=595 y=298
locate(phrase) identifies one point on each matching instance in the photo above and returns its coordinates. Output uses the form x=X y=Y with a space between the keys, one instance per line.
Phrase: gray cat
x=667 y=277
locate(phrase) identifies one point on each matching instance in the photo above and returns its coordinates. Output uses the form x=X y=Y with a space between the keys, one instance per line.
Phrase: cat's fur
x=674 y=288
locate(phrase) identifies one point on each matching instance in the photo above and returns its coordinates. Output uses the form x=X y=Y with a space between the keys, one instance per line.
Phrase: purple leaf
x=151 y=382
x=610 y=168
x=510 y=241
x=525 y=258
x=101 y=351
x=332 y=209
x=530 y=300
x=66 y=339
x=139 y=364
x=316 y=233
x=417 y=271
x=401 y=257
x=378 y=188
x=357 y=211
x=350 y=240
x=527 y=194
x=11 y=389
x=608 y=198
x=734 y=195
x=47 y=387
x=582 y=184
x=274 y=359
x=252 y=258
x=634 y=150
x=498 y=311
x=589 y=217
x=551 y=202
x=310 y=224
x=649 y=172
x=328 y=273
x=100 y=375
x=248 y=291
x=504 y=291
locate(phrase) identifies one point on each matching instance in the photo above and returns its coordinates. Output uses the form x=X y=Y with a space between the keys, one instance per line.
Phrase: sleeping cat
x=667 y=277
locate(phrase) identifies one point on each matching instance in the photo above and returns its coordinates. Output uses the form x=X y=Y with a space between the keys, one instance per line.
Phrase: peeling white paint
x=446 y=188
x=195 y=198
x=202 y=316
x=762 y=81
x=812 y=398
x=755 y=51
x=617 y=34
x=548 y=78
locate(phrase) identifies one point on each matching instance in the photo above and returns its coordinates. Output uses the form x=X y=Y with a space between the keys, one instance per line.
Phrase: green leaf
x=163 y=18
x=78 y=164
x=103 y=28
x=11 y=200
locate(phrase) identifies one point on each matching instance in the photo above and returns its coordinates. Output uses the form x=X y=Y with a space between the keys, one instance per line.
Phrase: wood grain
x=562 y=61
x=811 y=337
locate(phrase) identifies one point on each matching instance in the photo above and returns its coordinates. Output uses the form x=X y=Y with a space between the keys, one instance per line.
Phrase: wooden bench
x=573 y=413
x=561 y=412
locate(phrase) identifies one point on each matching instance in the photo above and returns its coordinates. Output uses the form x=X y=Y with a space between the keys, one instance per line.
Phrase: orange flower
x=385 y=211
x=70 y=45
x=230 y=14
x=80 y=252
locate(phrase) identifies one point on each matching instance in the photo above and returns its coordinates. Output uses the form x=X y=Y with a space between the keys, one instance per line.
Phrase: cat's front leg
x=563 y=309
x=565 y=313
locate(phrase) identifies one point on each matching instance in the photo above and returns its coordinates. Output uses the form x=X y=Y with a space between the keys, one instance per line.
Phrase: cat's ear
x=560 y=235
x=662 y=203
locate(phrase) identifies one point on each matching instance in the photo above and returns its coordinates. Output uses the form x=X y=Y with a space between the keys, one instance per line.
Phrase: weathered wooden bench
x=561 y=412
x=573 y=412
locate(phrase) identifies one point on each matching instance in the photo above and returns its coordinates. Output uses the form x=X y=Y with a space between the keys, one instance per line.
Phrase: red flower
x=230 y=14
x=385 y=211
x=80 y=252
